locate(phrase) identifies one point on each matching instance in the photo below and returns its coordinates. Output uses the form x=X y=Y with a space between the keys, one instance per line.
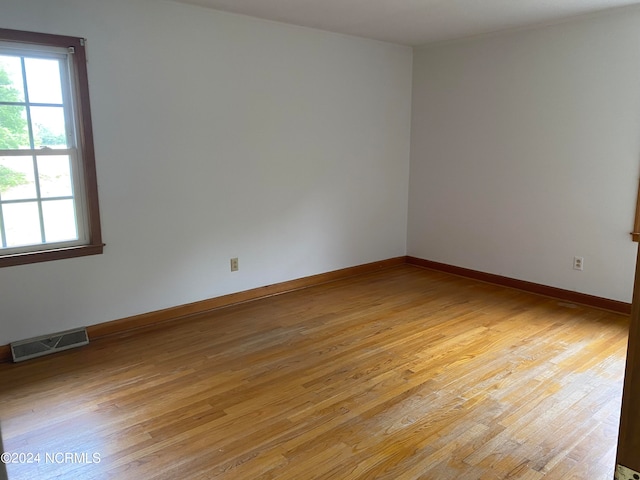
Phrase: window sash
x=75 y=196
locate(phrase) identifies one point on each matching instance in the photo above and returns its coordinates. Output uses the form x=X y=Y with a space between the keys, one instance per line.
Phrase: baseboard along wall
x=537 y=288
x=180 y=312
x=197 y=308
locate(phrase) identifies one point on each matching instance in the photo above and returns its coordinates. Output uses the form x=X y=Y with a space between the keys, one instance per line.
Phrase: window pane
x=22 y=224
x=48 y=127
x=43 y=80
x=17 y=179
x=59 y=220
x=11 y=84
x=55 y=176
x=13 y=127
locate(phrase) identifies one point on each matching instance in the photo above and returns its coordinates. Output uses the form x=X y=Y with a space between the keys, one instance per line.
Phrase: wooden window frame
x=86 y=152
x=635 y=235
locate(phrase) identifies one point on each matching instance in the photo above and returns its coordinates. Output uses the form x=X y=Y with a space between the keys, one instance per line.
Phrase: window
x=48 y=191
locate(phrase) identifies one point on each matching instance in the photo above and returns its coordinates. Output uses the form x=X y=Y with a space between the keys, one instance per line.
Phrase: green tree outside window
x=13 y=131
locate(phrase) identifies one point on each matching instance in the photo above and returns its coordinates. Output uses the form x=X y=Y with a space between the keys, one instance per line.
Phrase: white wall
x=220 y=136
x=525 y=153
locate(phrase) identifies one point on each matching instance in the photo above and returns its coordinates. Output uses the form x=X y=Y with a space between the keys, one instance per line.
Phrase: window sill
x=50 y=255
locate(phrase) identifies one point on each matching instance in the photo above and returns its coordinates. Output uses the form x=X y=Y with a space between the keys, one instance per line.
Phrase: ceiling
x=413 y=22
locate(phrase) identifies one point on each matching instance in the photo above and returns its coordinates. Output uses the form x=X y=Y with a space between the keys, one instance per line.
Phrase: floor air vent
x=624 y=473
x=56 y=342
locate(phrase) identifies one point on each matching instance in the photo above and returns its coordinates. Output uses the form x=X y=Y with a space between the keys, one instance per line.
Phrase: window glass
x=43 y=80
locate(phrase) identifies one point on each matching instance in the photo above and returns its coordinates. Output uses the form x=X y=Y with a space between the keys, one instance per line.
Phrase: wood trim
x=5 y=353
x=183 y=311
x=40 y=38
x=635 y=235
x=50 y=255
x=547 y=291
x=85 y=143
x=629 y=434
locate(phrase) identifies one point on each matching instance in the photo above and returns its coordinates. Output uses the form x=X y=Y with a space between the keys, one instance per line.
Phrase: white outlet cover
x=624 y=473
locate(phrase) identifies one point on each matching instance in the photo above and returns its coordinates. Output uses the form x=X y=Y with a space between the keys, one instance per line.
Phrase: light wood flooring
x=401 y=374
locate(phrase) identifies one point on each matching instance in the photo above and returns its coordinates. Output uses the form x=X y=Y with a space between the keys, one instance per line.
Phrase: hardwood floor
x=401 y=374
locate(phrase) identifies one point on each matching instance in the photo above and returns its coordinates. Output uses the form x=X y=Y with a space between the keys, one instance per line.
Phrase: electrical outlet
x=578 y=263
x=234 y=264
x=624 y=473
